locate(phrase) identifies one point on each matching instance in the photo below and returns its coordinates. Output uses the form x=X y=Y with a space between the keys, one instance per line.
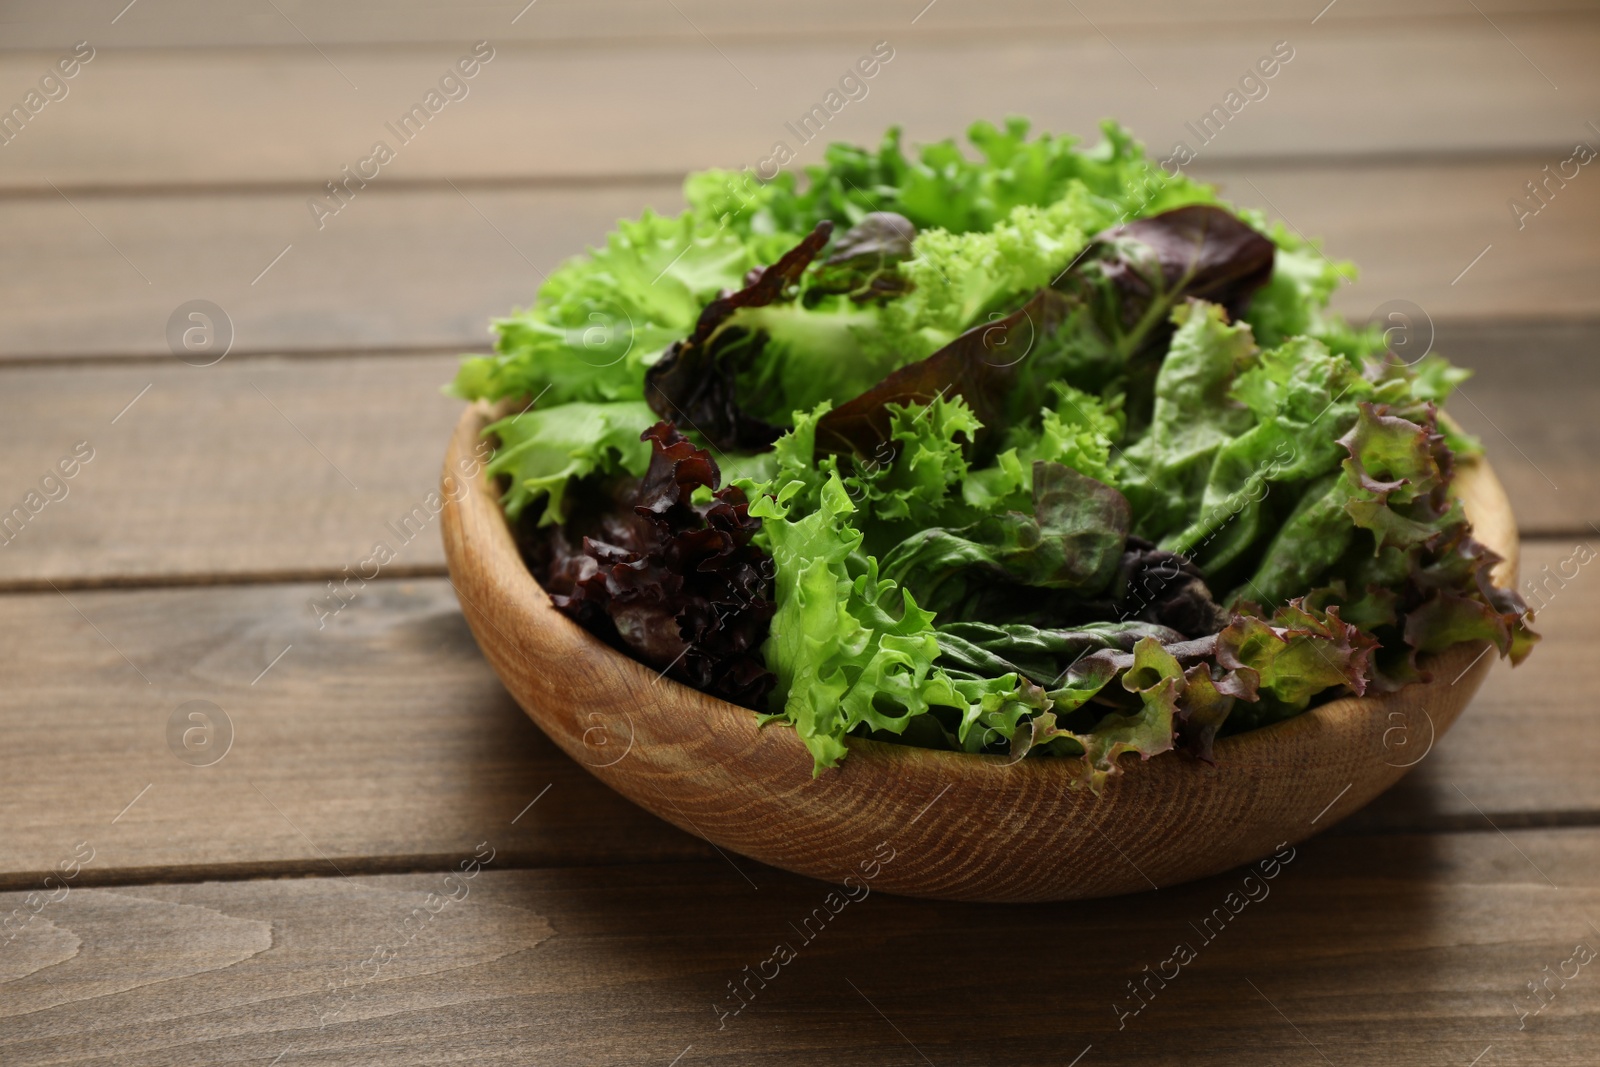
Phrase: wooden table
x=292 y=901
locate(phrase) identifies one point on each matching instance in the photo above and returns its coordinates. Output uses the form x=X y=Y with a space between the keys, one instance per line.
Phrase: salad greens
x=1040 y=450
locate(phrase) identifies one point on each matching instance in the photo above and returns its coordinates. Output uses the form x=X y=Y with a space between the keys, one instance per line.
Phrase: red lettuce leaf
x=865 y=259
x=1302 y=651
x=676 y=583
x=1118 y=294
x=979 y=366
x=1398 y=477
x=1135 y=273
x=880 y=235
x=1207 y=697
x=1157 y=586
x=692 y=383
x=1434 y=587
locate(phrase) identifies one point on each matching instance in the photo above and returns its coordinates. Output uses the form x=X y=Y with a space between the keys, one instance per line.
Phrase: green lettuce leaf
x=849 y=649
x=1164 y=473
x=1302 y=398
x=601 y=319
x=1156 y=679
x=543 y=449
x=1298 y=654
x=1293 y=302
x=918 y=477
x=1071 y=539
x=941 y=186
x=958 y=278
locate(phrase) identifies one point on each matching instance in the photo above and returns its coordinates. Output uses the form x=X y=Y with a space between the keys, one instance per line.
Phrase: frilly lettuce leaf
x=1300 y=652
x=601 y=319
x=941 y=186
x=543 y=449
x=1156 y=679
x=1078 y=430
x=1146 y=725
x=924 y=466
x=990 y=229
x=1293 y=302
x=959 y=277
x=670 y=573
x=848 y=648
x=1071 y=538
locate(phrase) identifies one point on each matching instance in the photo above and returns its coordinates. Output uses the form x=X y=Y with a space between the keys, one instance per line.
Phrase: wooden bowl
x=926 y=823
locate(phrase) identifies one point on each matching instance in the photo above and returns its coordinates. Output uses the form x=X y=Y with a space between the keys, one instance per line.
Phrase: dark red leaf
x=979 y=366
x=692 y=385
x=676 y=583
x=1200 y=251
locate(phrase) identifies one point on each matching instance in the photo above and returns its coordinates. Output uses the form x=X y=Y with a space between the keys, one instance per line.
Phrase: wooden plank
x=1534 y=387
x=1401 y=951
x=378 y=741
x=428 y=267
x=296 y=115
x=178 y=489
x=37 y=24
x=264 y=468
x=413 y=269
x=383 y=739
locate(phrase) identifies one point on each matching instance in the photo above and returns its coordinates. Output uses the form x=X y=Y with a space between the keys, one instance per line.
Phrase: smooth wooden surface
x=310 y=461
x=1465 y=90
x=1391 y=950
x=41 y=24
x=1010 y=832
x=188 y=147
x=336 y=755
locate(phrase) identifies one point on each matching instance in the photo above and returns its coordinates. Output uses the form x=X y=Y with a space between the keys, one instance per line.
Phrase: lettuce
x=1031 y=450
x=957 y=278
x=674 y=576
x=943 y=187
x=1164 y=472
x=848 y=648
x=919 y=479
x=602 y=318
x=542 y=450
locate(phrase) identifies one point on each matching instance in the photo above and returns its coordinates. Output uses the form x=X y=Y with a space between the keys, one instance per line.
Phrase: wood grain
x=294 y=115
x=400 y=270
x=427 y=268
x=39 y=24
x=1530 y=379
x=267 y=468
x=1011 y=831
x=378 y=742
x=1399 y=950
